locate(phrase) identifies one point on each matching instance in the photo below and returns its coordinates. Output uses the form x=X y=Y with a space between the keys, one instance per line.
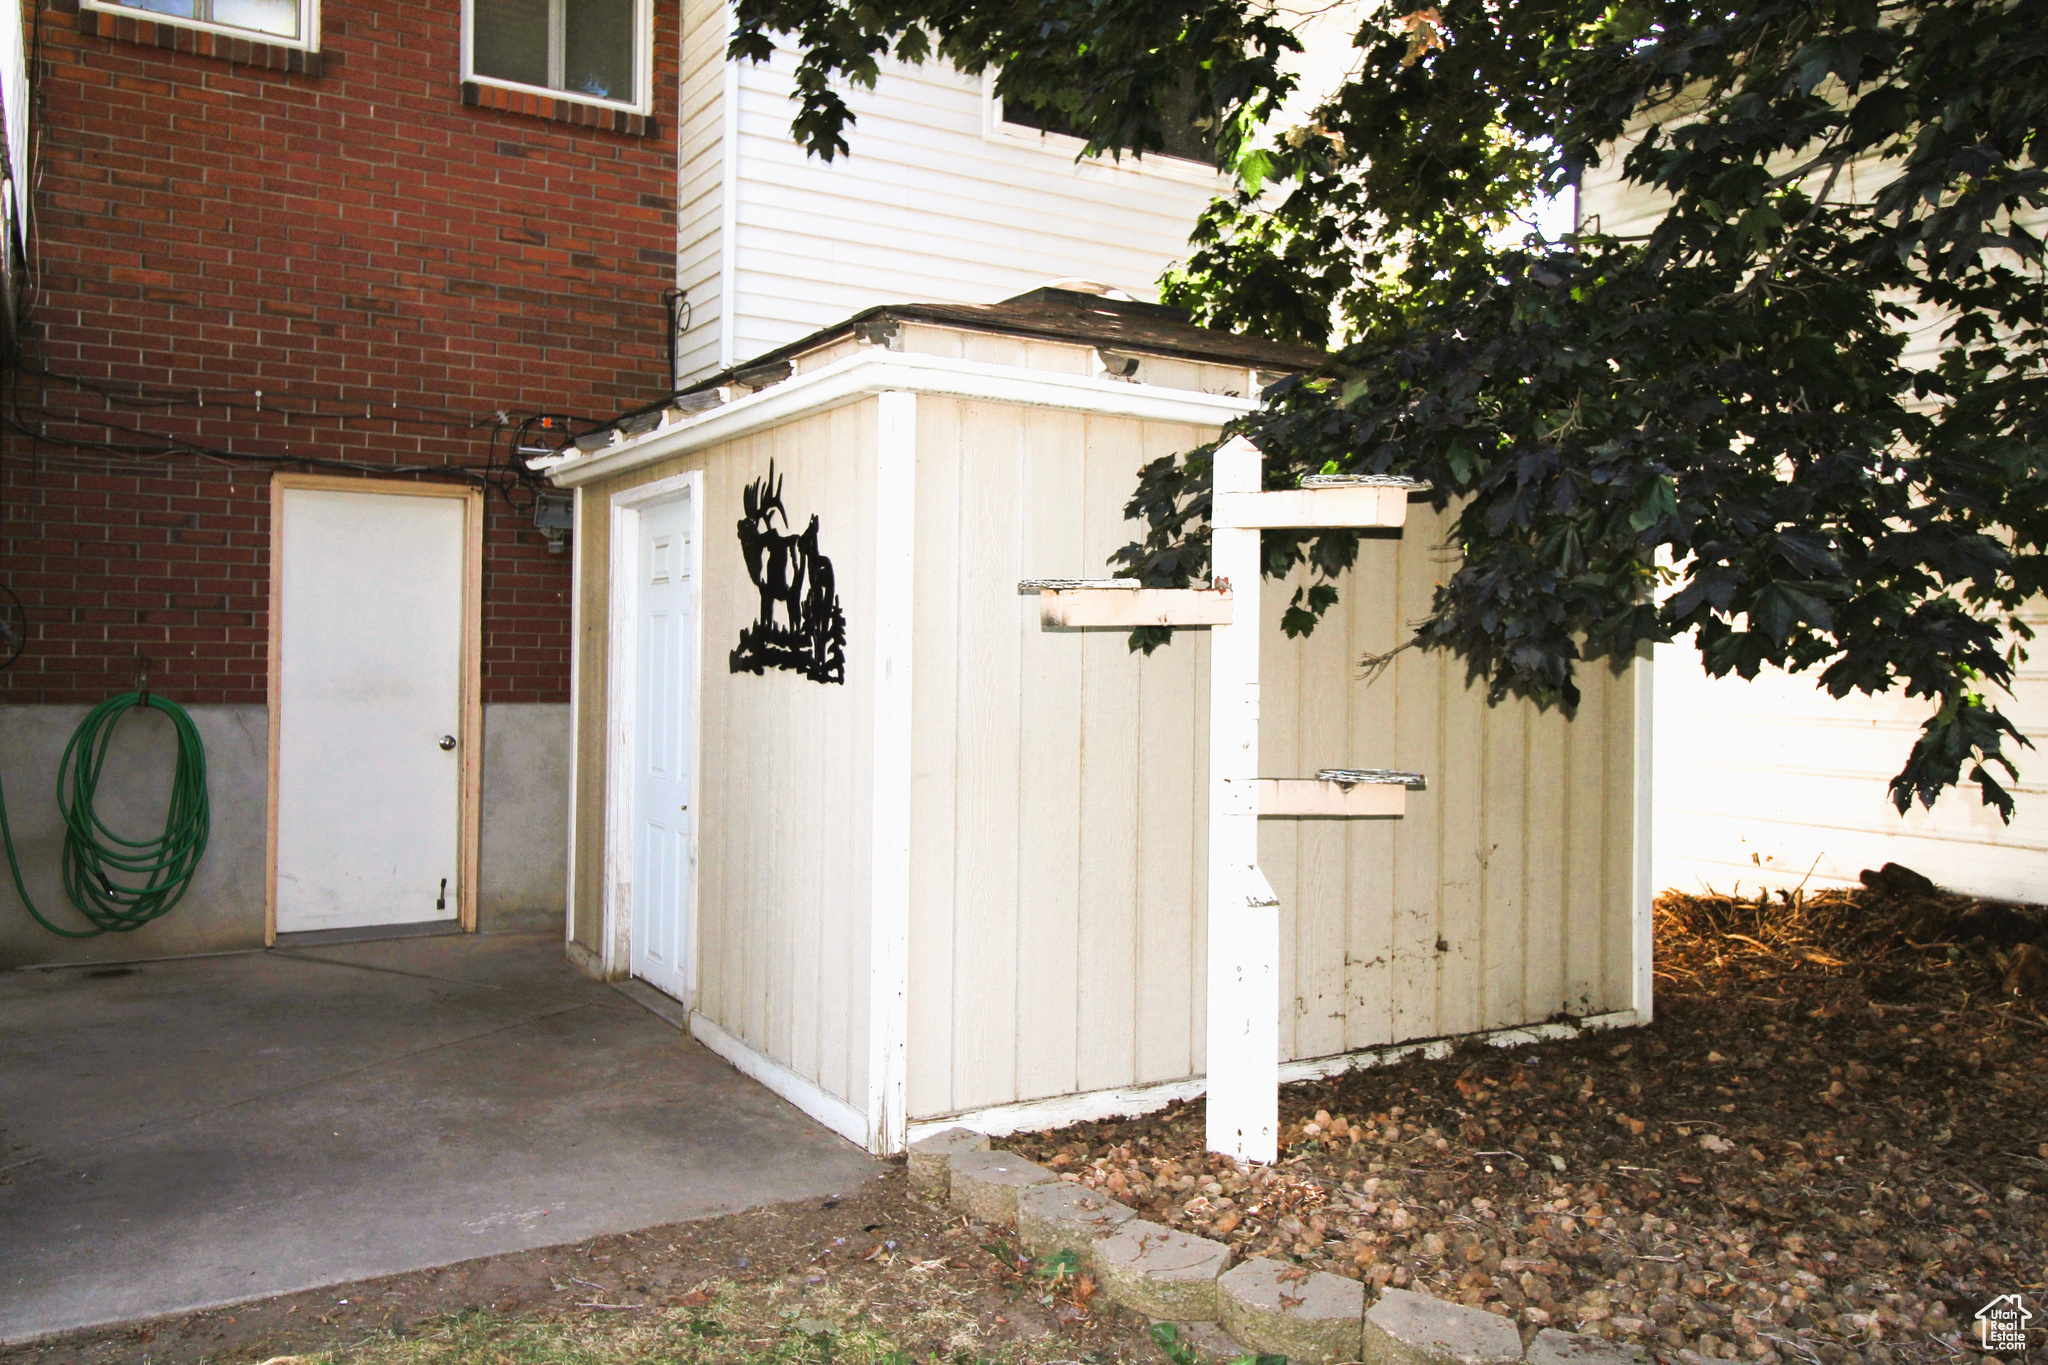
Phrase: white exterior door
x=664 y=732
x=369 y=698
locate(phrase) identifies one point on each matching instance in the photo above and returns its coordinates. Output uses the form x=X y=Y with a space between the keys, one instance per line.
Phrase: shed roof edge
x=880 y=371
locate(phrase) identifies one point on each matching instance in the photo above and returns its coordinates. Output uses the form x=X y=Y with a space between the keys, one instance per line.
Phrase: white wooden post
x=1244 y=915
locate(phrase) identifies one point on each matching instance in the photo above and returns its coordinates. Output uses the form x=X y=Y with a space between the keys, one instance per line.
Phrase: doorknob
x=447 y=742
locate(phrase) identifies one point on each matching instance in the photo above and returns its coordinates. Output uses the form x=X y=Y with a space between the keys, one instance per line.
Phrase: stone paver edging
x=1285 y=1310
x=1266 y=1305
x=1159 y=1272
x=931 y=1160
x=1058 y=1217
x=1552 y=1347
x=985 y=1185
x=1406 y=1328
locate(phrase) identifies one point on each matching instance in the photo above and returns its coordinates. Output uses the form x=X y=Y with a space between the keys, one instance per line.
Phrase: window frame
x=307 y=41
x=643 y=63
x=995 y=128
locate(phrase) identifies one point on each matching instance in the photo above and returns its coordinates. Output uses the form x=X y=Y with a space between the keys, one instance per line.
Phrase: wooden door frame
x=469 y=817
x=622 y=708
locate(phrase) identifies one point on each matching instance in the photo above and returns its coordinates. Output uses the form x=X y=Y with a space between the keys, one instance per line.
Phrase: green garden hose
x=122 y=884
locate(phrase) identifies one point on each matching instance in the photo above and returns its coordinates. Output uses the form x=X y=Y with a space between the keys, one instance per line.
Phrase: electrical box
x=554 y=514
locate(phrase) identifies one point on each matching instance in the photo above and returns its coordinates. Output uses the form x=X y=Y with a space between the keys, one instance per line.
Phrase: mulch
x=1830 y=1145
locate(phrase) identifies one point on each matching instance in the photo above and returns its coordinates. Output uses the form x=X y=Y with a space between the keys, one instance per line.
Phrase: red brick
x=210 y=229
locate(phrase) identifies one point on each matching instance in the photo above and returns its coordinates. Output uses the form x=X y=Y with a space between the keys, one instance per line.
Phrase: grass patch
x=718 y=1324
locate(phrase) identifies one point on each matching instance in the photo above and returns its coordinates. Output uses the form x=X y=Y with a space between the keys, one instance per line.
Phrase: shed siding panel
x=1173 y=881
x=986 y=776
x=1049 y=786
x=1373 y=625
x=783 y=874
x=592 y=544
x=1545 y=862
x=1106 y=1027
x=1502 y=856
x=1059 y=909
x=1418 y=685
x=934 y=750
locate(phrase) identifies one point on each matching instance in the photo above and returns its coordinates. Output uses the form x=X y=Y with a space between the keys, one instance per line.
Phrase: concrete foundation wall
x=523 y=864
x=525 y=821
x=223 y=910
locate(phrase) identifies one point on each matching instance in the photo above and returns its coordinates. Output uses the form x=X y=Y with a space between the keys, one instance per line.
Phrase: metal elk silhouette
x=801 y=627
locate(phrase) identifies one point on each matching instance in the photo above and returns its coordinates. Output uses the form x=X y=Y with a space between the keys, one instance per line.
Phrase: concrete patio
x=182 y=1134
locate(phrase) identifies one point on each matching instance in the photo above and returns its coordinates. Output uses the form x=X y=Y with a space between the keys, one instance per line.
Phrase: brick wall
x=389 y=264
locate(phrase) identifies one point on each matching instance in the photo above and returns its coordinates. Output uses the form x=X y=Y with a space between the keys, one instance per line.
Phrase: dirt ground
x=877 y=1276
x=1830 y=1146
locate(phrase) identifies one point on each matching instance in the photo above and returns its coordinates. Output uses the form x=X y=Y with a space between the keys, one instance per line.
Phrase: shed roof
x=1055 y=314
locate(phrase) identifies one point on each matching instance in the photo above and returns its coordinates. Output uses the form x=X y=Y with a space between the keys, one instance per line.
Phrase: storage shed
x=909 y=857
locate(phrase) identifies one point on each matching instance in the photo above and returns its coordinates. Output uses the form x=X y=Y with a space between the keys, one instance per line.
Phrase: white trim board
x=1030 y=1116
x=874 y=370
x=575 y=713
x=827 y=1108
x=895 y=531
x=1643 y=886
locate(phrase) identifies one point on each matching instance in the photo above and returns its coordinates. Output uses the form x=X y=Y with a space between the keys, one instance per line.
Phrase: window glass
x=597 y=48
x=579 y=47
x=511 y=38
x=1177 y=128
x=278 y=18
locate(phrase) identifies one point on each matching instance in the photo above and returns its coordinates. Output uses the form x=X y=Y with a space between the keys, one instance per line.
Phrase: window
x=290 y=21
x=586 y=49
x=1185 y=139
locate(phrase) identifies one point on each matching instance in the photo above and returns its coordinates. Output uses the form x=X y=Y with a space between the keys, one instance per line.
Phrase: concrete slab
x=200 y=1132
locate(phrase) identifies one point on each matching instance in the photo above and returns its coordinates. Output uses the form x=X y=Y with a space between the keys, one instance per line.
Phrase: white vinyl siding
x=927 y=209
x=699 y=180
x=1775 y=783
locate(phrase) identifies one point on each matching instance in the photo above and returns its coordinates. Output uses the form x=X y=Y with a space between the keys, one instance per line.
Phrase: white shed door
x=369 y=707
x=663 y=859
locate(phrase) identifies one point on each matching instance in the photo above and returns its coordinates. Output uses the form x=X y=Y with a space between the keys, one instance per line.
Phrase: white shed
x=908 y=858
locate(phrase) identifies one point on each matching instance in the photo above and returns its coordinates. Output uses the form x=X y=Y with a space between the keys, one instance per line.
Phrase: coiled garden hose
x=121 y=884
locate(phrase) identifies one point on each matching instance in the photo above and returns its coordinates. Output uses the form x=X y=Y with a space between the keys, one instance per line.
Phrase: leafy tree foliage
x=1715 y=427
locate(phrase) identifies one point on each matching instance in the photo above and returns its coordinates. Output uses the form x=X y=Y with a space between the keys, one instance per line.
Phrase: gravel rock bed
x=1831 y=1145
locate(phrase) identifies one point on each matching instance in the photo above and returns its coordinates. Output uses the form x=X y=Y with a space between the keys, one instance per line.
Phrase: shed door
x=663 y=855
x=370 y=668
